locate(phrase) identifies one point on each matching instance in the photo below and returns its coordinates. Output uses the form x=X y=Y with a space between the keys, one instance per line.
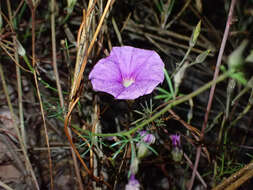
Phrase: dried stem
x=238 y=178
x=179 y=14
x=5 y=186
x=82 y=55
x=33 y=12
x=54 y=54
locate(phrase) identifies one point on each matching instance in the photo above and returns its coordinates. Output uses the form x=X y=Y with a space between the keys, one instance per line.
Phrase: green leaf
x=239 y=76
x=118 y=151
x=169 y=83
x=163 y=96
x=118 y=143
x=162 y=90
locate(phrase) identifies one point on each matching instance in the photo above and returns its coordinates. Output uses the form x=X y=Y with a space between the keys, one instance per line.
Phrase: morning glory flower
x=128 y=72
x=133 y=184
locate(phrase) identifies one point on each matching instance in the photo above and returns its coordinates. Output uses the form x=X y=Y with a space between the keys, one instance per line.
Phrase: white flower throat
x=127 y=82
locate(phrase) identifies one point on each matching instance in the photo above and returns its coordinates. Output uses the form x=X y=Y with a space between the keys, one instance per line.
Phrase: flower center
x=127 y=82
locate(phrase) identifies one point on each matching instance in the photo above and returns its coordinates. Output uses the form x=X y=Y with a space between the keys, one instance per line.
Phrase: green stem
x=28 y=63
x=183 y=60
x=165 y=109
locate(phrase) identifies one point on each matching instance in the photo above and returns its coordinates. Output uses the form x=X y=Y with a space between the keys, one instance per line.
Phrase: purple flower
x=133 y=184
x=128 y=72
x=175 y=140
x=147 y=137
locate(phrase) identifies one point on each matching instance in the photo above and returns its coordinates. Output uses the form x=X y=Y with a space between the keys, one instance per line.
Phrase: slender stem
x=56 y=73
x=18 y=73
x=33 y=12
x=216 y=73
x=21 y=135
x=183 y=60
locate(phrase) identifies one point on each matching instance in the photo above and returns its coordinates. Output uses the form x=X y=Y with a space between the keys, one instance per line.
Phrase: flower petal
x=133 y=184
x=133 y=60
x=151 y=69
x=138 y=89
x=106 y=70
x=112 y=87
x=106 y=77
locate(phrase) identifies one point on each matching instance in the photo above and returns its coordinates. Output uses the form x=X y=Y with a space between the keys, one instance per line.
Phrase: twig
x=216 y=73
x=236 y=176
x=240 y=181
x=2 y=184
x=197 y=173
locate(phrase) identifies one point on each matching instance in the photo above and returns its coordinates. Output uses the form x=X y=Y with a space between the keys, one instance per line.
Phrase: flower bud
x=177 y=154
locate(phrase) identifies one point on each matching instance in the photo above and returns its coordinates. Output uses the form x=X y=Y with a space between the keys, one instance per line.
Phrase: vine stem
x=165 y=109
x=211 y=94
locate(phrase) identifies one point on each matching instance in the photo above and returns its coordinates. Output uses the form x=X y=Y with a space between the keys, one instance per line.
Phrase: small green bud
x=195 y=35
